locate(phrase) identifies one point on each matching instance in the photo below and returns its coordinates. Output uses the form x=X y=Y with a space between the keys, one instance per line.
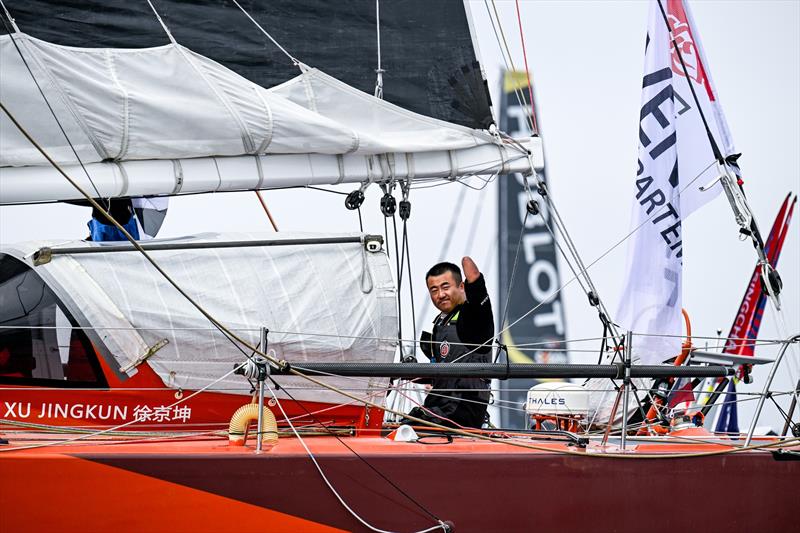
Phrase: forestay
x=328 y=302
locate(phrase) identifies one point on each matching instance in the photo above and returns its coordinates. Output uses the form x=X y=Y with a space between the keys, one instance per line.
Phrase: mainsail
x=682 y=135
x=168 y=121
x=434 y=76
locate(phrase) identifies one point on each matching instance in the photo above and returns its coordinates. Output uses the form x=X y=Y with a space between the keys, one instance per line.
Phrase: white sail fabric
x=675 y=159
x=164 y=120
x=325 y=303
x=170 y=103
x=382 y=126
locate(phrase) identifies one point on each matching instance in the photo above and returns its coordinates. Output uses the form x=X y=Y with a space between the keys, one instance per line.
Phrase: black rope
x=367 y=463
x=11 y=32
x=714 y=147
x=407 y=251
x=360 y=221
x=399 y=267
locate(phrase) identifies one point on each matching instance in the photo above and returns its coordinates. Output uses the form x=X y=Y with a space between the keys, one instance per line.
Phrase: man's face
x=445 y=293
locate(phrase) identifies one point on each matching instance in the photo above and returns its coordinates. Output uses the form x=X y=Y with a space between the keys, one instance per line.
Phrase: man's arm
x=476 y=323
x=471 y=272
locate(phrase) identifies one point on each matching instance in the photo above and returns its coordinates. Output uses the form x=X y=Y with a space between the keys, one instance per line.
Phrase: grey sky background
x=586 y=60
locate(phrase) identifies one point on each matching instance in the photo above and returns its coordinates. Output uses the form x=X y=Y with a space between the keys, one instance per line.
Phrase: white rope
x=160 y=21
x=10 y=18
x=355 y=515
x=295 y=62
x=378 y=71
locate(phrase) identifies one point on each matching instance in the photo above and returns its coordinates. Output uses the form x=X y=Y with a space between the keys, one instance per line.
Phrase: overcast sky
x=586 y=60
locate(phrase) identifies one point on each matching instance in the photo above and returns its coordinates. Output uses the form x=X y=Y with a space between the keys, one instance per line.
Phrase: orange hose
x=686 y=348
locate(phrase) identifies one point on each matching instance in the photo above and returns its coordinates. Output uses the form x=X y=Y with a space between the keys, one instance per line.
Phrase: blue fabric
x=106 y=232
x=729 y=419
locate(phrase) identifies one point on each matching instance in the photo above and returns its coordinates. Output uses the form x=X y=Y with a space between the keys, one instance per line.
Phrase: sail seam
x=64 y=96
x=270 y=128
x=247 y=140
x=112 y=70
x=307 y=74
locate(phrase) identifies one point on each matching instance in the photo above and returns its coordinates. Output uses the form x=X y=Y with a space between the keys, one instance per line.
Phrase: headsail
x=681 y=131
x=744 y=331
x=747 y=322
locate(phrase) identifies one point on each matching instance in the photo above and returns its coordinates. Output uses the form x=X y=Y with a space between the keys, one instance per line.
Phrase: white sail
x=165 y=120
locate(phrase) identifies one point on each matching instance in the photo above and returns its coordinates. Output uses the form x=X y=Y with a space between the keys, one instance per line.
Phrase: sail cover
x=338 y=305
x=427 y=49
x=171 y=103
x=166 y=120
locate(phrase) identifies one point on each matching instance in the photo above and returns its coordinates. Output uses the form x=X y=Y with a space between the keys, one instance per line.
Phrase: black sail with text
x=427 y=50
x=537 y=337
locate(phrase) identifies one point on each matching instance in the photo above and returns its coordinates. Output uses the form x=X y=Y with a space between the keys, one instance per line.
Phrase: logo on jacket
x=444 y=349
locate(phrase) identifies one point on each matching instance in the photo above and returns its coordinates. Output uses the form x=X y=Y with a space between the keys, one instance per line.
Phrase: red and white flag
x=680 y=120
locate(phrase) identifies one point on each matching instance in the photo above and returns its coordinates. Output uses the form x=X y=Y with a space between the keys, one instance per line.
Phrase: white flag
x=676 y=158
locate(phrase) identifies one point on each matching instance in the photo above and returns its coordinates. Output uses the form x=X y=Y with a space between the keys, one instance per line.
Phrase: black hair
x=440 y=268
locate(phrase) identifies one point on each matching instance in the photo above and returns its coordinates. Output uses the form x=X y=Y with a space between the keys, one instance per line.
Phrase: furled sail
x=166 y=120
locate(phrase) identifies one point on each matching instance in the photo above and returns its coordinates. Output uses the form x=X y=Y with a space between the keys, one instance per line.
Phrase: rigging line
x=386 y=237
x=559 y=223
x=504 y=316
x=407 y=253
x=248 y=345
x=354 y=452
x=447 y=242
x=527 y=72
x=399 y=269
x=558 y=244
x=355 y=515
x=10 y=18
x=780 y=321
x=517 y=92
x=266 y=210
x=759 y=342
x=224 y=330
x=53 y=113
x=714 y=147
x=318 y=189
x=602 y=256
x=294 y=61
x=160 y=21
x=361 y=222
x=755 y=233
x=378 y=71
